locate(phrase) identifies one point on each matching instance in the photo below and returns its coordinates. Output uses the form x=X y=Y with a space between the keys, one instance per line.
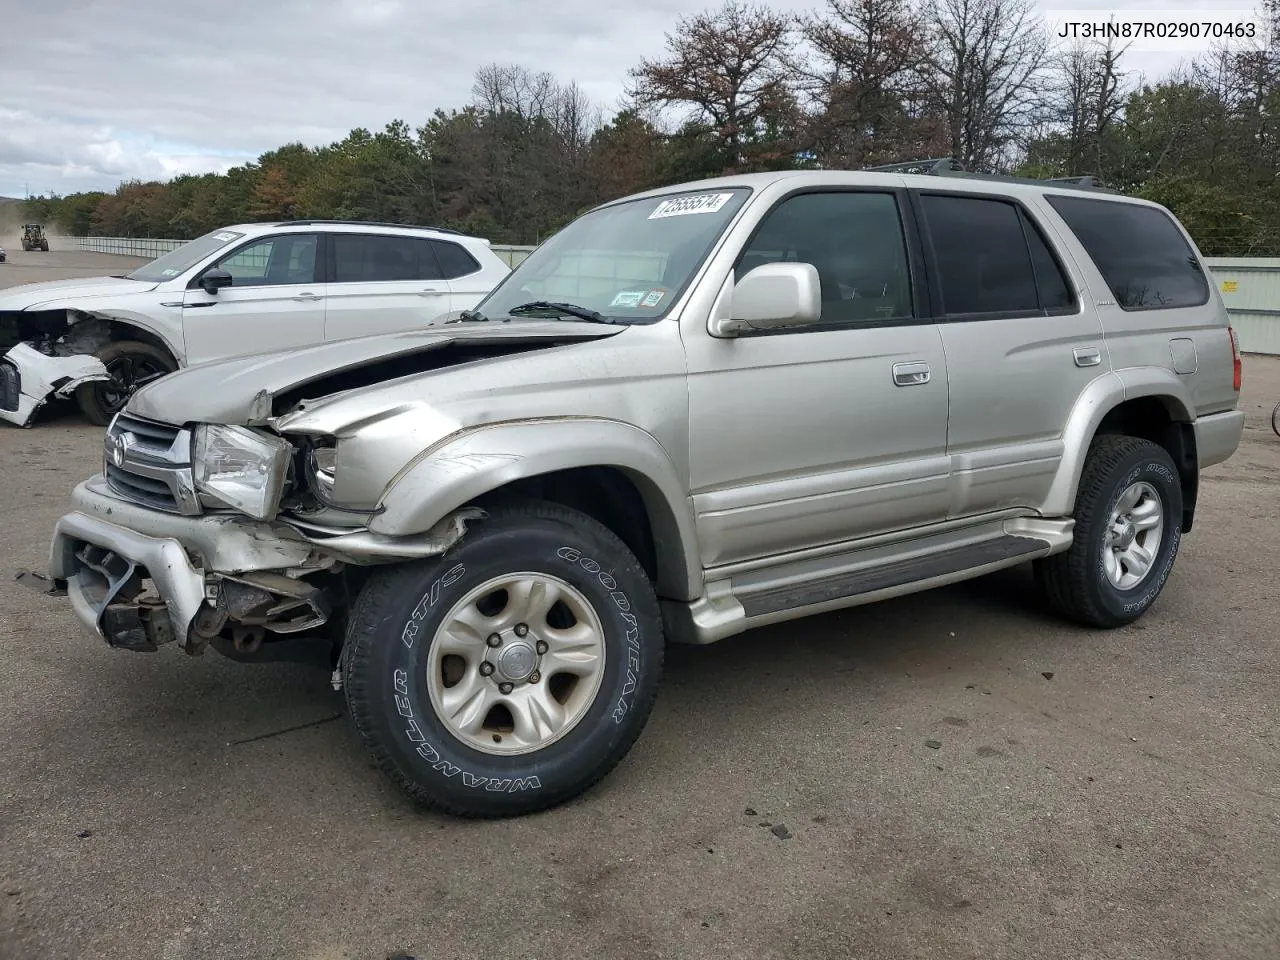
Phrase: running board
x=808 y=584
x=845 y=586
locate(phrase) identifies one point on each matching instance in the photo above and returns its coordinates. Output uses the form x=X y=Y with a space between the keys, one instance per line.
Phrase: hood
x=253 y=389
x=34 y=295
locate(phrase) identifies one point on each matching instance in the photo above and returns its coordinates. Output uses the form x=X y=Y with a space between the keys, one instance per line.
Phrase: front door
x=1020 y=348
x=823 y=434
x=273 y=303
x=383 y=283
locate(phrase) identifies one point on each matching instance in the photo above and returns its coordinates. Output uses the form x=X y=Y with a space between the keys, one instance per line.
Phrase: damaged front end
x=47 y=355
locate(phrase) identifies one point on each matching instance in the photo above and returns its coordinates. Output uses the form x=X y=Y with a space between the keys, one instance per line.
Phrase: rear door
x=1021 y=346
x=273 y=303
x=383 y=283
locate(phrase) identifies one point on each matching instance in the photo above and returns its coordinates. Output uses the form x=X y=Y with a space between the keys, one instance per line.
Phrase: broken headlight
x=242 y=468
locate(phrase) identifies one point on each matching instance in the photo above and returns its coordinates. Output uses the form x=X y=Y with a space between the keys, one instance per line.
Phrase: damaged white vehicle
x=237 y=291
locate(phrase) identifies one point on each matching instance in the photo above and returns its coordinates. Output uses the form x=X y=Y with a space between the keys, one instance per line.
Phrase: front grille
x=10 y=386
x=149 y=463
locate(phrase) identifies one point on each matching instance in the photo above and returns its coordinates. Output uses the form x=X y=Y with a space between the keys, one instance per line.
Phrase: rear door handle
x=432 y=292
x=1087 y=356
x=912 y=374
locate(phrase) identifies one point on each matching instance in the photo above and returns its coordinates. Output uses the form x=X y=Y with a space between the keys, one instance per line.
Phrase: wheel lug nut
x=535 y=677
x=486 y=669
x=542 y=647
x=505 y=687
x=522 y=629
x=495 y=640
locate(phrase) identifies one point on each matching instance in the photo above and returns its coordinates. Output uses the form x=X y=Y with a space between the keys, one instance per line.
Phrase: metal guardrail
x=1250 y=286
x=511 y=254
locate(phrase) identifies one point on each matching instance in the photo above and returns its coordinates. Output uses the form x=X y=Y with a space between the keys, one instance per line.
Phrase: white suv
x=246 y=289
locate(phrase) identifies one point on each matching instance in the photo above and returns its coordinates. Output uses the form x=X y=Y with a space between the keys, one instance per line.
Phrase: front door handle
x=432 y=292
x=307 y=297
x=913 y=374
x=1087 y=356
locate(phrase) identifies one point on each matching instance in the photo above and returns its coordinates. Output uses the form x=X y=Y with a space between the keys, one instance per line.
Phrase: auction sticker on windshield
x=684 y=206
x=628 y=298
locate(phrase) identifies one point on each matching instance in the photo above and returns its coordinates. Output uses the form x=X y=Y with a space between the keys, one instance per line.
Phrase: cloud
x=95 y=91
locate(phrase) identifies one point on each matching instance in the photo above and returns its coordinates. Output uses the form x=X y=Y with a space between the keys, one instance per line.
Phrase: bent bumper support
x=28 y=378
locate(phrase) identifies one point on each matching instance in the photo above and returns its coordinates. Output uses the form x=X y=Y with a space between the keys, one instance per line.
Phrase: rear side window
x=373 y=258
x=454 y=261
x=1138 y=250
x=991 y=259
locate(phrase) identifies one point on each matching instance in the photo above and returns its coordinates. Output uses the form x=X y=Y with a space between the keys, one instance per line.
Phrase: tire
x=1076 y=583
x=1275 y=420
x=394 y=636
x=101 y=400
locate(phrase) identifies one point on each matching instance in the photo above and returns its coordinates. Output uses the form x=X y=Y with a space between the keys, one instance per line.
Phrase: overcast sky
x=96 y=91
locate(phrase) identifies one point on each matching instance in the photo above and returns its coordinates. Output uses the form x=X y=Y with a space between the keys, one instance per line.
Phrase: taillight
x=1237 y=371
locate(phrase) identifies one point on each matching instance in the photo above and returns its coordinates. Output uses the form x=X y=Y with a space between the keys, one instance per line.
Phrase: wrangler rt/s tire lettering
x=1128 y=526
x=511 y=674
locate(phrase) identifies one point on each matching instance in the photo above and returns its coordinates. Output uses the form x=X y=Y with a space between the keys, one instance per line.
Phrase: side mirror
x=772 y=297
x=214 y=280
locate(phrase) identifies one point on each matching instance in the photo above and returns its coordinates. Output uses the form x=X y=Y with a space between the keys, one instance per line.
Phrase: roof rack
x=950 y=167
x=367 y=223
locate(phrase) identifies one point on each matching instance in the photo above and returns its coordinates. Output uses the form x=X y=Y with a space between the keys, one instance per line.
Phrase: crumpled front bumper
x=106 y=546
x=28 y=378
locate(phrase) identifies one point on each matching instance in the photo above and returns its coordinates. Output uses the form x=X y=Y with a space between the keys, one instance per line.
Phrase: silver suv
x=692 y=412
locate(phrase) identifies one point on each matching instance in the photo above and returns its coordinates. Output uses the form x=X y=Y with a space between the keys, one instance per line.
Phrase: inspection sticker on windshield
x=628 y=298
x=224 y=237
x=169 y=273
x=684 y=206
x=653 y=298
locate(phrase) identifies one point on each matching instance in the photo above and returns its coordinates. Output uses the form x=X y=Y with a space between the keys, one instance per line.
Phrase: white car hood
x=31 y=296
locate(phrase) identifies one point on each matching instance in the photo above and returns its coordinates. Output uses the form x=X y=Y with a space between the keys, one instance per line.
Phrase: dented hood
x=33 y=296
x=249 y=390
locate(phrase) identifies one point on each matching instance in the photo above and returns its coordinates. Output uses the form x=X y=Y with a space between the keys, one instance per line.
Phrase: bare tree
x=983 y=73
x=858 y=70
x=726 y=68
x=1087 y=103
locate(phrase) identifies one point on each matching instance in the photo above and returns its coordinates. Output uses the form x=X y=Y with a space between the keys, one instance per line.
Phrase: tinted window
x=290 y=258
x=454 y=261
x=1138 y=250
x=1055 y=292
x=981 y=253
x=369 y=258
x=855 y=241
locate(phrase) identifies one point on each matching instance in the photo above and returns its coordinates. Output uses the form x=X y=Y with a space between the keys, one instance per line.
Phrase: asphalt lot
x=1092 y=795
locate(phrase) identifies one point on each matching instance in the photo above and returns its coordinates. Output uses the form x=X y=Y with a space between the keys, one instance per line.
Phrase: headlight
x=242 y=468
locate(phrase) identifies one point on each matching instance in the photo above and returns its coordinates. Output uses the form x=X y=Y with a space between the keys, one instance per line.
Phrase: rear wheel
x=1128 y=525
x=511 y=674
x=131 y=365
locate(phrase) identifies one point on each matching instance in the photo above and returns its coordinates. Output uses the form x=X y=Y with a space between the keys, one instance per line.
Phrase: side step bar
x=844 y=586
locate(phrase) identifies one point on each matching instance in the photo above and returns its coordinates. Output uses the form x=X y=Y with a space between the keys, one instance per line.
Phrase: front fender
x=477 y=460
x=1097 y=400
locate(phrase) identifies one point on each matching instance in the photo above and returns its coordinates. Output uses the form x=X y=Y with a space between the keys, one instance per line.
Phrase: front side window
x=856 y=243
x=1144 y=258
x=371 y=258
x=271 y=261
x=630 y=261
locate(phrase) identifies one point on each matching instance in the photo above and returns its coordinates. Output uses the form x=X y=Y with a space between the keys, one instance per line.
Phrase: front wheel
x=511 y=674
x=1128 y=525
x=131 y=365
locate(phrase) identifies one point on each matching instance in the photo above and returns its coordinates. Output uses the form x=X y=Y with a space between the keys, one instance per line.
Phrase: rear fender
x=473 y=462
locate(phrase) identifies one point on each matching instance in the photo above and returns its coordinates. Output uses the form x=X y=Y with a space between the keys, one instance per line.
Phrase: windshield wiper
x=560 y=310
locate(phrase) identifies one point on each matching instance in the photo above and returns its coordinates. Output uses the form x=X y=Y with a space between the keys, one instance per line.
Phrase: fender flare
x=474 y=461
x=1097 y=400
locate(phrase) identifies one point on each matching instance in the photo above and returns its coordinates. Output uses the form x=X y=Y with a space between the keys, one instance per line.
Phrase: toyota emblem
x=118 y=446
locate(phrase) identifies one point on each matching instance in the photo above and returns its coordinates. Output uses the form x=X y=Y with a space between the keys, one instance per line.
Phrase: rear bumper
x=1218 y=436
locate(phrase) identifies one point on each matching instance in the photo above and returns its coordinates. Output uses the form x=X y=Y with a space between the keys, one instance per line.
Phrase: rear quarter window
x=1139 y=250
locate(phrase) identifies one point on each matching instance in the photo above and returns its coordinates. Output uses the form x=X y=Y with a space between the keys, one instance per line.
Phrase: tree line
x=742 y=87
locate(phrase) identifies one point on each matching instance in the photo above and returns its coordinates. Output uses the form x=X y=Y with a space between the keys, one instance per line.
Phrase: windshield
x=177 y=262
x=629 y=262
